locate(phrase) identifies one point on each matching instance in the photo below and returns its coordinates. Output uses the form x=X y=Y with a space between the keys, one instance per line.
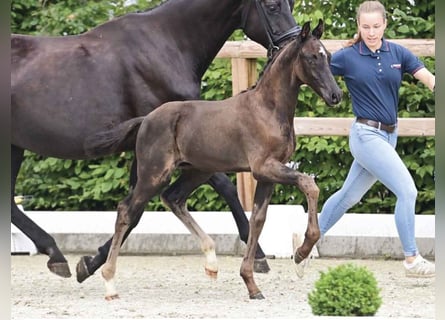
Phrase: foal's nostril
x=336 y=97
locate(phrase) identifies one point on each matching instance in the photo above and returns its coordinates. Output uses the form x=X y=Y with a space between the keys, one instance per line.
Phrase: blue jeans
x=375 y=158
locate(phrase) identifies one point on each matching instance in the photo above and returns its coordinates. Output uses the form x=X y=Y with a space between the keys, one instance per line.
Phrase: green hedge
x=347 y=290
x=98 y=185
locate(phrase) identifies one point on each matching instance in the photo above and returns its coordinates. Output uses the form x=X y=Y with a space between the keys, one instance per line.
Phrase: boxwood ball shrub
x=346 y=290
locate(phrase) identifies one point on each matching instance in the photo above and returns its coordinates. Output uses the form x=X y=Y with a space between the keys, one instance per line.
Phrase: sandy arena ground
x=176 y=287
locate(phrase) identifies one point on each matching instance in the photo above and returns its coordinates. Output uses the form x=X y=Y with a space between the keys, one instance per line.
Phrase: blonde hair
x=367 y=7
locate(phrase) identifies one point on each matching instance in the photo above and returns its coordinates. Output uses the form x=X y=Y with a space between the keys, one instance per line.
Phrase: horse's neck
x=200 y=42
x=280 y=87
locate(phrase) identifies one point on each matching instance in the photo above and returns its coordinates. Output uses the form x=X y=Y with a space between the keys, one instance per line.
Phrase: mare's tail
x=120 y=138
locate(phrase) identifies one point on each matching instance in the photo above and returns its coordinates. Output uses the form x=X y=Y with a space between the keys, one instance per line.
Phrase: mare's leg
x=87 y=265
x=44 y=242
x=225 y=188
x=276 y=172
x=263 y=194
x=175 y=197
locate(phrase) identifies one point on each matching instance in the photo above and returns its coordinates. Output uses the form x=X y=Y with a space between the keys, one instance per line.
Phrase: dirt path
x=176 y=287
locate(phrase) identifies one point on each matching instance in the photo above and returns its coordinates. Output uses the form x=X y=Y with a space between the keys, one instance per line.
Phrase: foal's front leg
x=274 y=171
x=263 y=193
x=308 y=186
x=226 y=189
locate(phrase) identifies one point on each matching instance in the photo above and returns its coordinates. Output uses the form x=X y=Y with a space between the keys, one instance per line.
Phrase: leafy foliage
x=74 y=185
x=94 y=185
x=346 y=290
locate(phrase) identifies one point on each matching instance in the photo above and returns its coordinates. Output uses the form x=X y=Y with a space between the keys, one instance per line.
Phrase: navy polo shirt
x=374 y=78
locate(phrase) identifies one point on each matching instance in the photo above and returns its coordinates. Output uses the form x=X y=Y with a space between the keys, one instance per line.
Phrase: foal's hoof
x=82 y=269
x=301 y=263
x=299 y=269
x=257 y=296
x=211 y=273
x=112 y=297
x=60 y=268
x=261 y=266
x=297 y=257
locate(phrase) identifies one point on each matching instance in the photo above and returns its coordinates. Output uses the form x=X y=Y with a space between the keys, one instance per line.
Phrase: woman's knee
x=408 y=192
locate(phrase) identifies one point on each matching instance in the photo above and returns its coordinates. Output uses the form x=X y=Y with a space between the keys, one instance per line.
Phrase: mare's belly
x=48 y=136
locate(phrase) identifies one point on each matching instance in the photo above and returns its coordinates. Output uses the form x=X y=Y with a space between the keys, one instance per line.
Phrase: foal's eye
x=313 y=59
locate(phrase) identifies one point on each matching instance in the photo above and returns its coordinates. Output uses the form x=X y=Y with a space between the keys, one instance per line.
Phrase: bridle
x=275 y=41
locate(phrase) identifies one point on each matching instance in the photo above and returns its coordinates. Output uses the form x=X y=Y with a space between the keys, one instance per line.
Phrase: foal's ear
x=318 y=31
x=305 y=31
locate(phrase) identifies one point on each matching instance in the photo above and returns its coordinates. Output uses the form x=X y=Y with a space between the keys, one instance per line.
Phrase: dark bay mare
x=252 y=131
x=64 y=89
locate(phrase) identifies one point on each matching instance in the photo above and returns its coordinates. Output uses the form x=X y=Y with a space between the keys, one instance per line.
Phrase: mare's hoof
x=112 y=297
x=60 y=268
x=261 y=266
x=212 y=274
x=82 y=269
x=257 y=296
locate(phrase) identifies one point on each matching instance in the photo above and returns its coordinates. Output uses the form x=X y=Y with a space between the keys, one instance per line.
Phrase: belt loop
x=380 y=125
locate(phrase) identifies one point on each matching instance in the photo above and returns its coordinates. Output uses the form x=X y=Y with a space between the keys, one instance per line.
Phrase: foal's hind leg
x=87 y=265
x=109 y=268
x=129 y=211
x=125 y=211
x=175 y=198
x=225 y=188
x=44 y=242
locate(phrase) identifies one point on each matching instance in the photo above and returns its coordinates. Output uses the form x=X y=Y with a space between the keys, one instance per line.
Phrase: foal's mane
x=296 y=43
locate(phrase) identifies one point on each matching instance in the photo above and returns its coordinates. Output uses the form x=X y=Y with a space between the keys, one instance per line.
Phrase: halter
x=274 y=41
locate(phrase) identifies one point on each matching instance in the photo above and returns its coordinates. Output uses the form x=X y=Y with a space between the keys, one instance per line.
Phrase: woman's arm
x=426 y=77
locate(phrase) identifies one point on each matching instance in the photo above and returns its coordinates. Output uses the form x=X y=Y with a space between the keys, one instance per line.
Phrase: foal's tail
x=120 y=138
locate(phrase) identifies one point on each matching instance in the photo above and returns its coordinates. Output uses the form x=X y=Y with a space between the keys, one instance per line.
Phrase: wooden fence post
x=244 y=75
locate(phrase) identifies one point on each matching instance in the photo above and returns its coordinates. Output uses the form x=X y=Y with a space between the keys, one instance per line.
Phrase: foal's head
x=311 y=64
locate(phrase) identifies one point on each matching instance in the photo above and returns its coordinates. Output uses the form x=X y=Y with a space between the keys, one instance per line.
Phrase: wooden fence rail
x=243 y=55
x=252 y=50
